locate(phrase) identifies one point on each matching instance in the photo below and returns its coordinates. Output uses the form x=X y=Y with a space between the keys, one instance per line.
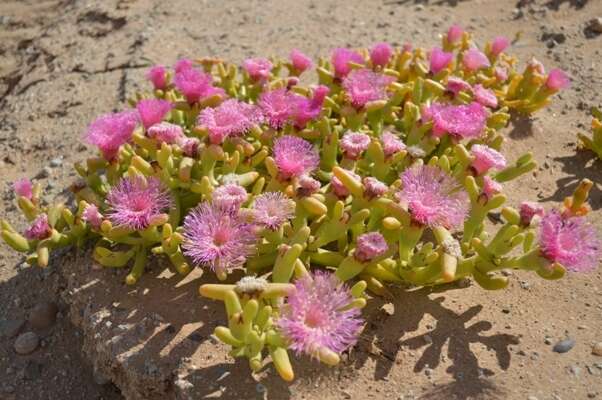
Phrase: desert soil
x=64 y=62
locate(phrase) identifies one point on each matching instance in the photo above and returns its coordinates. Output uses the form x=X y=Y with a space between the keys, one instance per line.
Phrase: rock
x=44 y=173
x=428 y=339
x=564 y=346
x=11 y=328
x=56 y=162
x=547 y=340
x=595 y=25
x=43 y=315
x=597 y=349
x=575 y=370
x=26 y=343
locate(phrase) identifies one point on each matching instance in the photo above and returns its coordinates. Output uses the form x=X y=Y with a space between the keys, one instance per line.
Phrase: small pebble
x=56 y=162
x=26 y=343
x=564 y=346
x=547 y=340
x=595 y=25
x=260 y=388
x=597 y=349
x=44 y=173
x=428 y=339
x=11 y=328
x=43 y=315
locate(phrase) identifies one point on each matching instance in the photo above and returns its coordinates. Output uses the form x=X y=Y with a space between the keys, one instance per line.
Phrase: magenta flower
x=529 y=210
x=23 y=188
x=315 y=316
x=300 y=61
x=217 y=238
x=473 y=60
x=491 y=187
x=370 y=246
x=258 y=68
x=498 y=45
x=486 y=158
x=339 y=189
x=353 y=144
x=135 y=202
x=92 y=216
x=190 y=146
x=364 y=85
x=109 y=131
x=456 y=85
x=454 y=34
x=307 y=186
x=391 y=144
x=484 y=96
x=433 y=197
x=295 y=157
x=373 y=187
x=183 y=64
x=195 y=85
x=272 y=210
x=341 y=58
x=39 y=228
x=439 y=60
x=152 y=111
x=158 y=76
x=165 y=132
x=277 y=107
x=305 y=110
x=569 y=241
x=231 y=118
x=380 y=54
x=557 y=80
x=230 y=196
x=462 y=121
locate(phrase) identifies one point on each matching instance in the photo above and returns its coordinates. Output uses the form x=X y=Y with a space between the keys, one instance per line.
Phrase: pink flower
x=569 y=241
x=374 y=188
x=300 y=61
x=484 y=96
x=501 y=74
x=557 y=80
x=158 y=76
x=370 y=246
x=23 y=188
x=217 y=237
x=462 y=121
x=454 y=34
x=380 y=54
x=230 y=196
x=190 y=146
x=92 y=216
x=258 y=68
x=307 y=186
x=340 y=60
x=182 y=65
x=474 y=60
x=498 y=45
x=109 y=131
x=433 y=197
x=315 y=316
x=339 y=189
x=529 y=210
x=39 y=228
x=231 y=118
x=295 y=157
x=135 y=202
x=353 y=144
x=272 y=210
x=364 y=85
x=305 y=110
x=277 y=107
x=456 y=85
x=195 y=85
x=486 y=158
x=490 y=187
x=152 y=111
x=439 y=60
x=391 y=144
x=164 y=132
x=536 y=66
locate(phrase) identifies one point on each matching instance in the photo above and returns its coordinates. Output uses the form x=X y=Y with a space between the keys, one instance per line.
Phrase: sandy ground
x=64 y=62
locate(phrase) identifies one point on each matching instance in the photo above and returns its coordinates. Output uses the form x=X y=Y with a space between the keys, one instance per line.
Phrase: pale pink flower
x=135 y=202
x=158 y=76
x=258 y=68
x=499 y=44
x=391 y=143
x=165 y=132
x=92 y=216
x=190 y=146
x=340 y=60
x=370 y=246
x=364 y=85
x=109 y=131
x=373 y=187
x=307 y=186
x=486 y=158
x=501 y=74
x=456 y=85
x=536 y=66
x=491 y=187
x=461 y=121
x=217 y=238
x=454 y=34
x=473 y=60
x=529 y=210
x=439 y=60
x=484 y=96
x=230 y=196
x=315 y=315
x=557 y=80
x=231 y=118
x=295 y=157
x=152 y=111
x=570 y=241
x=338 y=188
x=433 y=197
x=353 y=144
x=23 y=188
x=272 y=209
x=300 y=61
x=277 y=107
x=39 y=229
x=380 y=54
